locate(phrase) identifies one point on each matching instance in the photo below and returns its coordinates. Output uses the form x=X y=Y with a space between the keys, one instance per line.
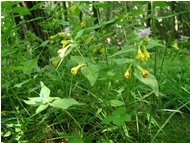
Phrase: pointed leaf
x=91 y=73
x=116 y=103
x=65 y=103
x=41 y=108
x=45 y=92
x=150 y=81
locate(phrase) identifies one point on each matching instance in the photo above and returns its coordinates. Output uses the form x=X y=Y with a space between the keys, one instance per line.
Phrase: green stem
x=163 y=60
x=81 y=54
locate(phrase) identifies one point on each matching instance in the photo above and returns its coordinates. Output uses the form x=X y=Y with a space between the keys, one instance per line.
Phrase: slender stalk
x=163 y=60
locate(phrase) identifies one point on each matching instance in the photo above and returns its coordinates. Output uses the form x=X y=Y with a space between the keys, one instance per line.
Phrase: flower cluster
x=143 y=56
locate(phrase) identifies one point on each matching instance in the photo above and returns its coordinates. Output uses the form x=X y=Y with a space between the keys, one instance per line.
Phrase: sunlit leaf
x=116 y=103
x=41 y=108
x=65 y=103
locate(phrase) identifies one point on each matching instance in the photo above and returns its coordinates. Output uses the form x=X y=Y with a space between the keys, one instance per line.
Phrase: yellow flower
x=145 y=73
x=143 y=56
x=146 y=55
x=74 y=70
x=127 y=73
x=65 y=42
x=175 y=46
x=62 y=51
x=82 y=24
x=139 y=55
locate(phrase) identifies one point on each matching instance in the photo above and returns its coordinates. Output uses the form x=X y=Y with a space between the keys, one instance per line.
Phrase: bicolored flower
x=74 y=70
x=144 y=33
x=144 y=72
x=127 y=73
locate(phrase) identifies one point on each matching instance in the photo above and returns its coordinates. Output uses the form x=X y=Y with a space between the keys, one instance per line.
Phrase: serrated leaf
x=91 y=72
x=150 y=81
x=116 y=103
x=41 y=108
x=65 y=103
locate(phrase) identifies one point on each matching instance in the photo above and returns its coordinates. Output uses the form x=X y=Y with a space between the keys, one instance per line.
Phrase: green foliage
x=118 y=117
x=107 y=77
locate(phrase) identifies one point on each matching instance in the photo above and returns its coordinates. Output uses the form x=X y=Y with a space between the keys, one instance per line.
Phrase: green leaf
x=122 y=61
x=65 y=103
x=118 y=117
x=116 y=103
x=154 y=43
x=21 y=10
x=79 y=34
x=9 y=4
x=22 y=83
x=33 y=101
x=123 y=51
x=150 y=81
x=41 y=108
x=160 y=3
x=45 y=91
x=91 y=72
x=77 y=59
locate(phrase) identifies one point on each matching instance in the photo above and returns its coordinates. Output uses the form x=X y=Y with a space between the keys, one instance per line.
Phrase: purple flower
x=67 y=30
x=144 y=32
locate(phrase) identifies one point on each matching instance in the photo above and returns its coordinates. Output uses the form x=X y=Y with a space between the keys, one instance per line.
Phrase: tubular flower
x=146 y=55
x=139 y=55
x=127 y=74
x=74 y=70
x=145 y=73
x=62 y=51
